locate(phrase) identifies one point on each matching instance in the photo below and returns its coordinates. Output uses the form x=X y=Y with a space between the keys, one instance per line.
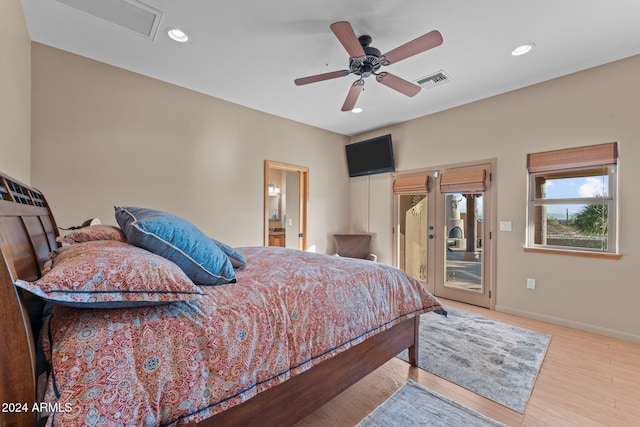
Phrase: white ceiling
x=249 y=52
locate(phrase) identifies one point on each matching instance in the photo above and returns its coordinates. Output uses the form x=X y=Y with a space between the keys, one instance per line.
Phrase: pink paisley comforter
x=167 y=364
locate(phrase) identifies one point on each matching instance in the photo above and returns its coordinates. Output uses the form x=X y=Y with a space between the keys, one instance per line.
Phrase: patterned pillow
x=93 y=232
x=110 y=274
x=177 y=240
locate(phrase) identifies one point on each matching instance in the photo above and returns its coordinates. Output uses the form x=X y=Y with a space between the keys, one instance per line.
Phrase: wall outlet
x=531 y=283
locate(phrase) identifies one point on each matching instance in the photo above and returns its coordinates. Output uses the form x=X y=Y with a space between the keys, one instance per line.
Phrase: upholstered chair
x=354 y=246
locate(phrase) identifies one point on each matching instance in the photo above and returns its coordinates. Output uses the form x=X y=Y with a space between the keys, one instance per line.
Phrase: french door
x=443 y=232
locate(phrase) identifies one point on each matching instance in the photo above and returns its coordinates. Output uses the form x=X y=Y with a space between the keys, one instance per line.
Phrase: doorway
x=444 y=238
x=286 y=196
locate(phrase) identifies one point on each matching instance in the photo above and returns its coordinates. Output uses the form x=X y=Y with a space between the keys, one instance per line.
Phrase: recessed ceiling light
x=357 y=110
x=178 y=35
x=521 y=50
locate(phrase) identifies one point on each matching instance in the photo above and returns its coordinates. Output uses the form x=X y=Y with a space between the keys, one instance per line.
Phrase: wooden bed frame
x=28 y=233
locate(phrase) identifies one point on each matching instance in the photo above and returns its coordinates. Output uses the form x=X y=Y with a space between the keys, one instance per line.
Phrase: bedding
x=173 y=363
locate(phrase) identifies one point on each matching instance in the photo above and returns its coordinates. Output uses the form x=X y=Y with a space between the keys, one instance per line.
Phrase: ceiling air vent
x=130 y=14
x=433 y=80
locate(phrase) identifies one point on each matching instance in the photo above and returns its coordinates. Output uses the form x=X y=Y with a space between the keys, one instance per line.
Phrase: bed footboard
x=289 y=402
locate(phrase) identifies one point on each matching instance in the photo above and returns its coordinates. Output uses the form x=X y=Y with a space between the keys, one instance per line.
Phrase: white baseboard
x=570 y=324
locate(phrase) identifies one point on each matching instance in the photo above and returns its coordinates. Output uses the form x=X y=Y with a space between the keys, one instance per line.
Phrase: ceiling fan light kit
x=365 y=61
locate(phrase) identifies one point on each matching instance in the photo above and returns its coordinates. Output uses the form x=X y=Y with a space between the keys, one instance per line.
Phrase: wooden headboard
x=27 y=234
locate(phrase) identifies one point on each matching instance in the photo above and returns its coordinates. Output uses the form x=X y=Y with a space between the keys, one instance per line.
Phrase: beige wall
x=15 y=91
x=594 y=106
x=103 y=136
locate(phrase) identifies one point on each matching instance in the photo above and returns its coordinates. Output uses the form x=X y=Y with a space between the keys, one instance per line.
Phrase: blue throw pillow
x=237 y=259
x=179 y=241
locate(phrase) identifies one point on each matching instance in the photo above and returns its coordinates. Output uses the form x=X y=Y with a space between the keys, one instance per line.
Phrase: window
x=572 y=199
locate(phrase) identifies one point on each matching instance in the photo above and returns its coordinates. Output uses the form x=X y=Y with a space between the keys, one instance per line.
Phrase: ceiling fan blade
x=401 y=85
x=428 y=41
x=345 y=34
x=352 y=96
x=320 y=77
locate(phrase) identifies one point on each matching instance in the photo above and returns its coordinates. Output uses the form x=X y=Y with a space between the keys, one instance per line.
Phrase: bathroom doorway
x=286 y=196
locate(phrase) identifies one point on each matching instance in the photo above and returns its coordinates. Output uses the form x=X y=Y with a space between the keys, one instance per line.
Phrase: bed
x=290 y=332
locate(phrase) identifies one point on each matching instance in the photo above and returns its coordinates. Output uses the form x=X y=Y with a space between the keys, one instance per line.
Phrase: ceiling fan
x=366 y=60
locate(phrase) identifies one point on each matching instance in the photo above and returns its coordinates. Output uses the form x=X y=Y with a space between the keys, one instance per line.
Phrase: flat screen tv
x=371 y=156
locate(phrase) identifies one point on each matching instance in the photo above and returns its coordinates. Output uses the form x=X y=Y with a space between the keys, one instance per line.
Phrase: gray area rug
x=494 y=359
x=415 y=405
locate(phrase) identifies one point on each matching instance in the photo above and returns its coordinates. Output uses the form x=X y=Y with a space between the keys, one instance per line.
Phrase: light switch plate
x=505 y=225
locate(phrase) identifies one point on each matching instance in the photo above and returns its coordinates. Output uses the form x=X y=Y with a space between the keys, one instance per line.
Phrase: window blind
x=467 y=181
x=573 y=158
x=403 y=186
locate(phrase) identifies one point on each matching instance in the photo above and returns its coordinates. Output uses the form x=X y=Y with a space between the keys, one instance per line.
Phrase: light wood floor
x=585 y=380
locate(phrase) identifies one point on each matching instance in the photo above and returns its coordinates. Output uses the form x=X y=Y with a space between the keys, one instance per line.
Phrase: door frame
x=435 y=259
x=303 y=199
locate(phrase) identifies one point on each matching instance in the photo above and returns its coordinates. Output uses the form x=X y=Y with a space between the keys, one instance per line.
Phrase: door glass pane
x=413 y=235
x=464 y=236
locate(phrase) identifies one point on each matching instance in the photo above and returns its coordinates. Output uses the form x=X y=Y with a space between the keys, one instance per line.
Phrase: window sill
x=586 y=254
